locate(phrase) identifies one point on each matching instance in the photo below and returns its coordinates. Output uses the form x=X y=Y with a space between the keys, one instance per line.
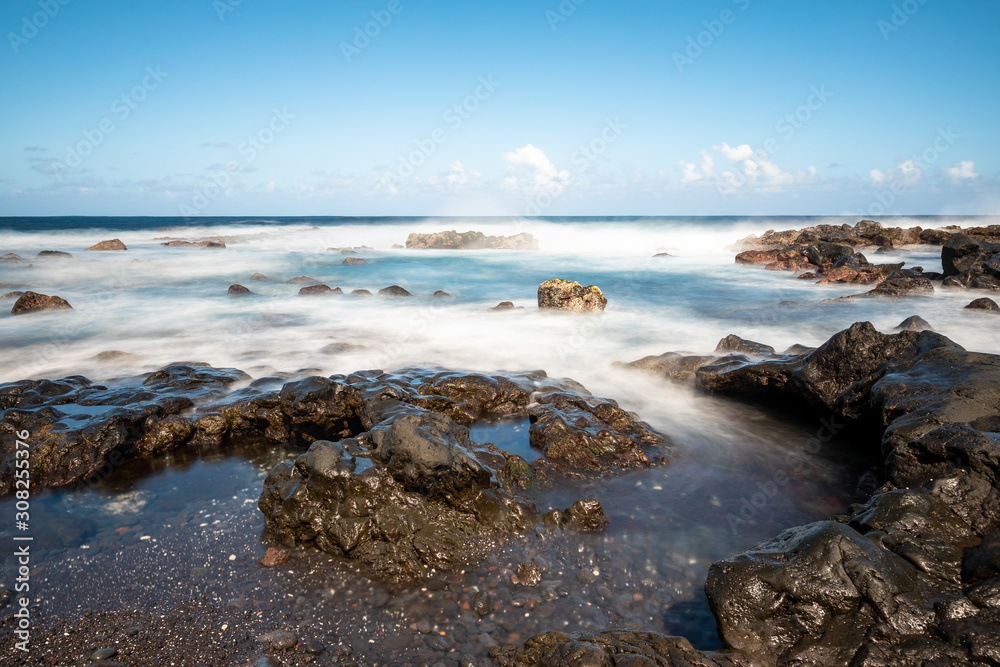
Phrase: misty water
x=190 y=518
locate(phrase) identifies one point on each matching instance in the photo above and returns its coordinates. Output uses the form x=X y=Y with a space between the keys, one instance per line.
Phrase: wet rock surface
x=910 y=577
x=452 y=240
x=970 y=257
x=79 y=429
x=390 y=478
x=408 y=492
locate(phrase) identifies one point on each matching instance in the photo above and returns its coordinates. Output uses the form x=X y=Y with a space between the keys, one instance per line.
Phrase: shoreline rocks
x=971 y=257
x=912 y=576
x=420 y=494
x=452 y=240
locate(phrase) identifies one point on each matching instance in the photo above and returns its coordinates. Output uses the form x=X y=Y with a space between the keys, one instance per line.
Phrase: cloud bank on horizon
x=533 y=107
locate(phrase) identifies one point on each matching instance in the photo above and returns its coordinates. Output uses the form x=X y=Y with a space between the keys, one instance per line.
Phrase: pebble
x=265 y=661
x=274 y=557
x=529 y=574
x=104 y=654
x=482 y=604
x=314 y=648
x=284 y=640
x=423 y=626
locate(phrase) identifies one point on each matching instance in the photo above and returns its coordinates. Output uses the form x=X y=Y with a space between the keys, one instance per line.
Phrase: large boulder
x=812 y=594
x=962 y=253
x=31 y=302
x=819 y=377
x=562 y=294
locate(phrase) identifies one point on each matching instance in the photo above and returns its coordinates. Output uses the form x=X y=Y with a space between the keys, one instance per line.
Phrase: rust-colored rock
x=274 y=557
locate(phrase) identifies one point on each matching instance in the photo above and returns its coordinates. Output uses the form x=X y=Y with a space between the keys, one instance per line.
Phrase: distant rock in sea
x=113 y=244
x=319 y=290
x=393 y=290
x=452 y=240
x=562 y=294
x=31 y=302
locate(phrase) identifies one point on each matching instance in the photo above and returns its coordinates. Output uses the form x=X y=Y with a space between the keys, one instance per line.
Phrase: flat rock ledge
x=389 y=475
x=911 y=577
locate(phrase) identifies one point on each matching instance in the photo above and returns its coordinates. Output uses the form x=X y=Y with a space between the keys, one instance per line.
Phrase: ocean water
x=154 y=305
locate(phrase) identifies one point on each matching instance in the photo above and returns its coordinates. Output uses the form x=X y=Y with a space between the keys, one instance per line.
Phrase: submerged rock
x=239 y=290
x=506 y=305
x=983 y=304
x=319 y=290
x=11 y=257
x=394 y=291
x=354 y=260
x=31 y=302
x=733 y=343
x=200 y=243
x=568 y=295
x=113 y=244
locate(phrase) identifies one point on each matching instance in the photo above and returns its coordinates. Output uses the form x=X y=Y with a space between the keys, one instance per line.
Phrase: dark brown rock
x=393 y=291
x=31 y=302
x=319 y=290
x=984 y=304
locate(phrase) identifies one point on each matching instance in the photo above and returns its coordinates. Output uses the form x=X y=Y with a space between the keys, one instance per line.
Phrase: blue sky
x=412 y=107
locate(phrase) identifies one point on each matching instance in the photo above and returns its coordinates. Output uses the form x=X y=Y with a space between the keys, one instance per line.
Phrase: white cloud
x=962 y=171
x=529 y=169
x=907 y=171
x=459 y=175
x=747 y=169
x=689 y=172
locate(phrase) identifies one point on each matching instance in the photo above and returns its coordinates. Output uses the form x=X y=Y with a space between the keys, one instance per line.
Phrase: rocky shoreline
x=389 y=479
x=829 y=254
x=910 y=577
